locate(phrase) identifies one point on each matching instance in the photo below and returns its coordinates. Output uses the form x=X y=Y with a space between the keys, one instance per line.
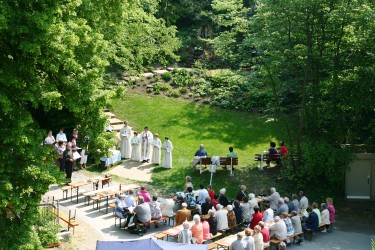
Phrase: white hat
x=184 y=204
x=229 y=207
x=222 y=191
x=251 y=196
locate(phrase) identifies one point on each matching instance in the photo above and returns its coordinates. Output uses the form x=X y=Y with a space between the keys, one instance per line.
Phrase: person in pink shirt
x=206 y=229
x=197 y=229
x=145 y=194
x=266 y=234
x=331 y=210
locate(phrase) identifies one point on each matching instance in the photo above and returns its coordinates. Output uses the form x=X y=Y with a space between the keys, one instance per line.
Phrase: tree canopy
x=54 y=55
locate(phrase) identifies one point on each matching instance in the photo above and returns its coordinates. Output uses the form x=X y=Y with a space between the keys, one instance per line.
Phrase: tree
x=54 y=55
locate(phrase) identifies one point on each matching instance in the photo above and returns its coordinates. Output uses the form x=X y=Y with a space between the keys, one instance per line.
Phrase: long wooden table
x=226 y=241
x=175 y=231
x=76 y=185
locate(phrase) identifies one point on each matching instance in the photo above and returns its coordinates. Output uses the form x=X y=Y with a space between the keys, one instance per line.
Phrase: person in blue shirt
x=201 y=152
x=312 y=222
x=272 y=151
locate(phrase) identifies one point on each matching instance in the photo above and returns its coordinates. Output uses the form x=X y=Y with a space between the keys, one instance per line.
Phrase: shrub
x=173 y=93
x=164 y=86
x=166 y=76
x=182 y=90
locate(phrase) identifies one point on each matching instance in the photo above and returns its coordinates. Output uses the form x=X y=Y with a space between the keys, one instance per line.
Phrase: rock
x=148 y=74
x=64 y=236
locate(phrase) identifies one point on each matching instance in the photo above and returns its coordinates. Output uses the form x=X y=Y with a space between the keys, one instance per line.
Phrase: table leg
x=77 y=194
x=106 y=208
x=71 y=194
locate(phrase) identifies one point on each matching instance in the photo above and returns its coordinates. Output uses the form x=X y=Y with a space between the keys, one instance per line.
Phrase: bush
x=166 y=76
x=182 y=90
x=164 y=86
x=173 y=93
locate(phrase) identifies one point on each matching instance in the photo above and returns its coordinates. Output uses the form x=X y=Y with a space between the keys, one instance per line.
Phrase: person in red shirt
x=211 y=192
x=257 y=216
x=266 y=234
x=283 y=150
x=214 y=201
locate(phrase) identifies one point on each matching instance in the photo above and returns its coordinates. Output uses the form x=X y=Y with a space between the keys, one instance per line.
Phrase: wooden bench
x=70 y=219
x=65 y=191
x=276 y=243
x=160 y=236
x=267 y=157
x=141 y=226
x=224 y=161
x=213 y=238
x=212 y=245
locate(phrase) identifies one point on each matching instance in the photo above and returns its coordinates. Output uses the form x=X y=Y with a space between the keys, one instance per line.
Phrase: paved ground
x=95 y=225
x=134 y=170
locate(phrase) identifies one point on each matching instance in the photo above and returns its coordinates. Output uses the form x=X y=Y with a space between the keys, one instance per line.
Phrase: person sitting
x=331 y=210
x=241 y=193
x=202 y=194
x=211 y=192
x=182 y=214
x=312 y=221
x=206 y=229
x=167 y=206
x=221 y=217
x=222 y=199
x=283 y=150
x=257 y=217
x=296 y=222
x=272 y=151
x=238 y=211
x=142 y=211
x=231 y=217
x=214 y=201
x=190 y=199
x=188 y=183
x=231 y=153
x=155 y=210
x=258 y=238
x=288 y=224
x=273 y=199
x=129 y=199
x=282 y=207
x=145 y=194
x=268 y=213
x=206 y=206
x=185 y=235
x=253 y=203
x=316 y=210
x=120 y=211
x=200 y=153
x=325 y=217
x=265 y=233
x=248 y=240
x=212 y=222
x=238 y=244
x=278 y=229
x=295 y=202
x=178 y=203
x=290 y=204
x=303 y=201
x=246 y=210
x=197 y=229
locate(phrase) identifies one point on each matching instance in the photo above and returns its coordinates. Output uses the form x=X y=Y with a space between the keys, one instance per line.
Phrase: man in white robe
x=156 y=152
x=147 y=139
x=125 y=134
x=136 y=147
x=168 y=147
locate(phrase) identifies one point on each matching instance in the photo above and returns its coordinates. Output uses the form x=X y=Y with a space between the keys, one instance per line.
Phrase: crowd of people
x=212 y=212
x=145 y=146
x=68 y=153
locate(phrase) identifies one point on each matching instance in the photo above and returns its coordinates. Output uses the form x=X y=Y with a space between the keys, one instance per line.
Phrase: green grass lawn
x=188 y=125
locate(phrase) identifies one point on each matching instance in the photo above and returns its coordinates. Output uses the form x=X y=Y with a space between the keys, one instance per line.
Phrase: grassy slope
x=188 y=125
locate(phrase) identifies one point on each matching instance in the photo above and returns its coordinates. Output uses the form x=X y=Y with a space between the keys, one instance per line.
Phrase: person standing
x=136 y=148
x=248 y=240
x=168 y=147
x=50 y=140
x=147 y=139
x=156 y=153
x=125 y=134
x=60 y=151
x=68 y=161
x=61 y=136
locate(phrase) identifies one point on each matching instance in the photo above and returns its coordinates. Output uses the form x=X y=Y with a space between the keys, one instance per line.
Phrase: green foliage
x=167 y=76
x=323 y=168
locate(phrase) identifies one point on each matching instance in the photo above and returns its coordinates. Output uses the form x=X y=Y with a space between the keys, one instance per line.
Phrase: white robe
x=147 y=139
x=167 y=160
x=156 y=152
x=136 y=149
x=62 y=137
x=125 y=148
